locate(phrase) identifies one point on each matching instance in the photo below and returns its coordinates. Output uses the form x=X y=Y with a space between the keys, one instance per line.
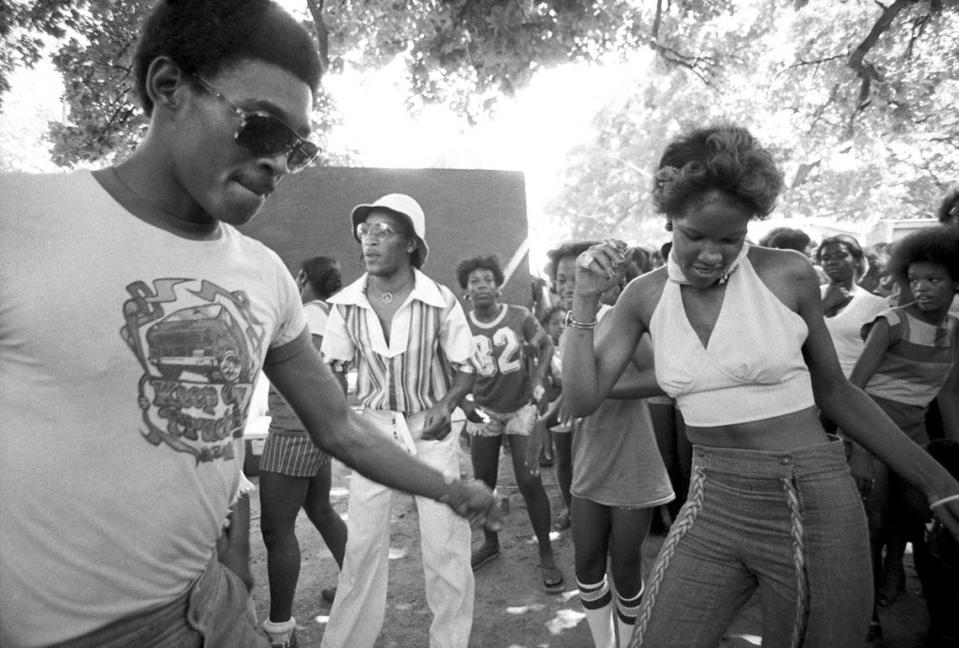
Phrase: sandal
x=483 y=556
x=553 y=581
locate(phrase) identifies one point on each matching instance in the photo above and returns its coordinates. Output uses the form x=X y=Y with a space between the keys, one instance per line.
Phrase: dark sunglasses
x=261 y=133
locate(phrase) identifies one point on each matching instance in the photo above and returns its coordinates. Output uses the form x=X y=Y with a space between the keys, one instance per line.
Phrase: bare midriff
x=779 y=433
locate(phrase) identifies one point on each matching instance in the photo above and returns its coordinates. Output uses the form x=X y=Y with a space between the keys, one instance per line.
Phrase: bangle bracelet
x=944 y=500
x=572 y=323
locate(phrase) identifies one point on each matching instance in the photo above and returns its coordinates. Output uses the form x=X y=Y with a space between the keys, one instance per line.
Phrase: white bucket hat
x=402 y=205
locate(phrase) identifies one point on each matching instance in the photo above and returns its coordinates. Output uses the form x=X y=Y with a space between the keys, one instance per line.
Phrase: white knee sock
x=597 y=603
x=626 y=611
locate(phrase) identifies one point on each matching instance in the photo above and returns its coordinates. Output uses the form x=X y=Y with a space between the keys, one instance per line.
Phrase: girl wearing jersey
x=504 y=402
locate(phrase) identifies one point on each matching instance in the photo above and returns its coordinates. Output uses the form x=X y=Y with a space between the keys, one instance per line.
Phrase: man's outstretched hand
x=473 y=500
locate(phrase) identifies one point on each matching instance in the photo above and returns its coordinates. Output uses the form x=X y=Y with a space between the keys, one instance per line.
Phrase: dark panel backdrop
x=468 y=212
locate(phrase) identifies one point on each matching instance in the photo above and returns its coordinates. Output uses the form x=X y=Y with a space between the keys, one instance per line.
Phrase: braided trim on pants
x=694 y=504
x=799 y=561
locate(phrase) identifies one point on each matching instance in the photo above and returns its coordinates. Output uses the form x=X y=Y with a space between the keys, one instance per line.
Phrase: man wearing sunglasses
x=410 y=342
x=125 y=390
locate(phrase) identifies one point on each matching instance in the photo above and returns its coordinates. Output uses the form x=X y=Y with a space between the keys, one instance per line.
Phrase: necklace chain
x=387 y=296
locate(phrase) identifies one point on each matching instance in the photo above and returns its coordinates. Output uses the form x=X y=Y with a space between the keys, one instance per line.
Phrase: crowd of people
x=789 y=409
x=125 y=389
x=740 y=341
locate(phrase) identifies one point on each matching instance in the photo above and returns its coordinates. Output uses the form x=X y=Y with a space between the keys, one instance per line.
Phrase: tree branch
x=628 y=210
x=698 y=65
x=658 y=18
x=918 y=28
x=819 y=61
x=802 y=173
x=803 y=63
x=322 y=35
x=820 y=111
x=867 y=72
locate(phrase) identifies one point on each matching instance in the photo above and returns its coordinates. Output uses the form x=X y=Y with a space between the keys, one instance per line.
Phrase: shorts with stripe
x=292 y=454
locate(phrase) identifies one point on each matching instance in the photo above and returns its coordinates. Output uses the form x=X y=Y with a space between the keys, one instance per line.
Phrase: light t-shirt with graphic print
x=127 y=361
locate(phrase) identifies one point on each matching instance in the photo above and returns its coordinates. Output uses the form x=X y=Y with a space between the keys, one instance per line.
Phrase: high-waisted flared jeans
x=790 y=524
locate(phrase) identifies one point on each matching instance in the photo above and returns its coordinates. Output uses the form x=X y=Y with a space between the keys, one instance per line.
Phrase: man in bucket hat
x=409 y=211
x=412 y=348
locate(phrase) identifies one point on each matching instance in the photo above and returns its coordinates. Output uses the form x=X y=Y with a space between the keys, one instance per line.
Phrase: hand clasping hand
x=473 y=500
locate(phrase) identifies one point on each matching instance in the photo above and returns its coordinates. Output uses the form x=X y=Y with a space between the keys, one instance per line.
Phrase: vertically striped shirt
x=429 y=340
x=918 y=360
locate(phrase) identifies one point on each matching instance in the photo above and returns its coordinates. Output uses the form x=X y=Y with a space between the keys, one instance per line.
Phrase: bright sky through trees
x=532 y=132
x=856 y=99
x=33 y=101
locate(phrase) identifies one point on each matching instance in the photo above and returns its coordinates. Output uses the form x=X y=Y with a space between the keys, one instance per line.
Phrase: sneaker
x=281 y=635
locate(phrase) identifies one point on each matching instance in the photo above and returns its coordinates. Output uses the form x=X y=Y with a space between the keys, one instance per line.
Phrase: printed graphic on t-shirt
x=199 y=346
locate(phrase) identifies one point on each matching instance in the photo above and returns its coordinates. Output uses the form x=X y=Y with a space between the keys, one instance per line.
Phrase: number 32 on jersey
x=502 y=351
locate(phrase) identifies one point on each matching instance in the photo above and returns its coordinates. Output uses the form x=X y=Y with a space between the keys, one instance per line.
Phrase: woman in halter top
x=739 y=341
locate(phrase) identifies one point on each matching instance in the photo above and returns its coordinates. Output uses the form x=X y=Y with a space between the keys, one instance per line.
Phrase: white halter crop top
x=753 y=366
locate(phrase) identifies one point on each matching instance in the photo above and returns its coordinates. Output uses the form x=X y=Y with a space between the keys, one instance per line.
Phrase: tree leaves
x=794 y=77
x=857 y=99
x=96 y=65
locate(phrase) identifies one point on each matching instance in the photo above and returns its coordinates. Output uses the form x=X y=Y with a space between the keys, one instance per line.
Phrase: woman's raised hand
x=600 y=267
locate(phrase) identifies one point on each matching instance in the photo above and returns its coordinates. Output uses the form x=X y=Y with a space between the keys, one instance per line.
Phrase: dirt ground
x=511 y=609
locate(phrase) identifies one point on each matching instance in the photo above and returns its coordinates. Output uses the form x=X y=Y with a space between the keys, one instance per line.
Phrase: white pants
x=360 y=604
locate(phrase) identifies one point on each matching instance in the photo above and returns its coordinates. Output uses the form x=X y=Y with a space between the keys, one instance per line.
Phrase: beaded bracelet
x=585 y=326
x=944 y=500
